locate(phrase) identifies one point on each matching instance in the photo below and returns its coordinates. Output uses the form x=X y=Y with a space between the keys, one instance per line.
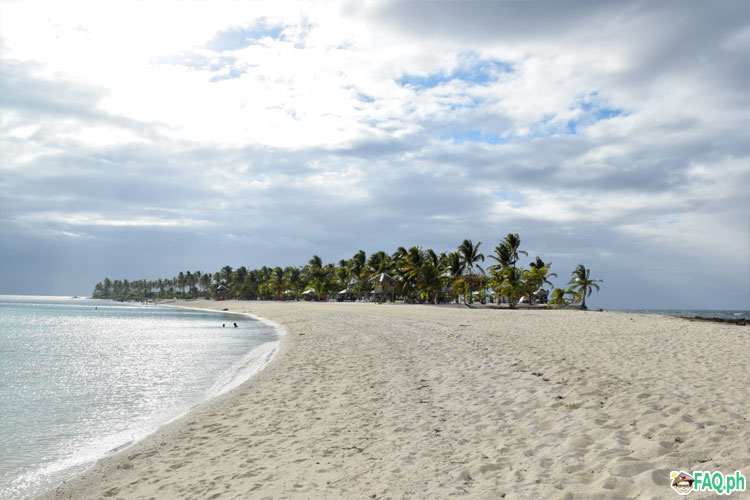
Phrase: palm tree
x=454 y=268
x=277 y=281
x=539 y=274
x=510 y=283
x=357 y=267
x=316 y=262
x=293 y=276
x=455 y=265
x=205 y=282
x=409 y=269
x=470 y=255
x=503 y=255
x=379 y=262
x=181 y=281
x=583 y=284
x=431 y=275
x=557 y=298
x=400 y=253
x=539 y=263
x=514 y=242
x=344 y=273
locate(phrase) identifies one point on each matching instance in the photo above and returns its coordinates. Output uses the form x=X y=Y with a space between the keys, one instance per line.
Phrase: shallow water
x=693 y=313
x=81 y=378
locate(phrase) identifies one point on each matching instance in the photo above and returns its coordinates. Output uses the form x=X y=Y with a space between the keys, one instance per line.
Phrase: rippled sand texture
x=425 y=402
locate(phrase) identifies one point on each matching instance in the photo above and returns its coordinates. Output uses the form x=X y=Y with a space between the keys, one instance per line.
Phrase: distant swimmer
x=223 y=325
x=235 y=325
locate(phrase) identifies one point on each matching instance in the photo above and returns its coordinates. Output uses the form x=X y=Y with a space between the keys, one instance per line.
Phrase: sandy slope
x=425 y=402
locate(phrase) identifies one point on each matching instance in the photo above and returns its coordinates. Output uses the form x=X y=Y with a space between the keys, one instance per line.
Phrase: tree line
x=419 y=275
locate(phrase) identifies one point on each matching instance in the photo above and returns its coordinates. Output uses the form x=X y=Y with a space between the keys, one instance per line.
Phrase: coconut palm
x=293 y=277
x=454 y=269
x=357 y=266
x=315 y=263
x=225 y=275
x=535 y=278
x=277 y=281
x=557 y=298
x=509 y=283
x=460 y=288
x=344 y=273
x=470 y=255
x=431 y=277
x=503 y=255
x=583 y=284
x=539 y=263
x=379 y=262
x=541 y=269
x=514 y=242
x=206 y=282
x=410 y=269
x=455 y=265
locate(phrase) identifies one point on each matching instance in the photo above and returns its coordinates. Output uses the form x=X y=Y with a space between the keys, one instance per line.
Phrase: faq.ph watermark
x=702 y=481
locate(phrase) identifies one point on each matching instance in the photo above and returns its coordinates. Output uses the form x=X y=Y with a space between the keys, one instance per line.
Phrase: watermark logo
x=682 y=482
x=707 y=481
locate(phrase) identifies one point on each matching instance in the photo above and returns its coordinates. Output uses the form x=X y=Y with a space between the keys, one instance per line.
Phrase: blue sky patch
x=474 y=135
x=596 y=108
x=472 y=70
x=516 y=200
x=470 y=103
x=232 y=74
x=239 y=38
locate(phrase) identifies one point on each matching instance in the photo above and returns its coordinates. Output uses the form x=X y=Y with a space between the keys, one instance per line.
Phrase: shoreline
x=237 y=373
x=408 y=401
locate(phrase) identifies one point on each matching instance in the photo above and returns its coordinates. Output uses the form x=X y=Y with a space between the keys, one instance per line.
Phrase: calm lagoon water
x=82 y=378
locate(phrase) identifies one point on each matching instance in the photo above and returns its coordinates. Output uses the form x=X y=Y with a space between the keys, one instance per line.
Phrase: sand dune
x=426 y=402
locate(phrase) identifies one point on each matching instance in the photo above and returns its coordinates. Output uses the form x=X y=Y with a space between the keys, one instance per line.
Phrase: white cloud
x=289 y=118
x=95 y=219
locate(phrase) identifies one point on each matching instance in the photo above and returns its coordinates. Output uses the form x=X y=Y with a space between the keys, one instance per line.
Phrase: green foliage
x=582 y=284
x=557 y=298
x=421 y=276
x=509 y=282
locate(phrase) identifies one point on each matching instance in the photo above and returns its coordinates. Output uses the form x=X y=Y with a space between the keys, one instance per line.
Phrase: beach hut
x=309 y=294
x=346 y=294
x=384 y=285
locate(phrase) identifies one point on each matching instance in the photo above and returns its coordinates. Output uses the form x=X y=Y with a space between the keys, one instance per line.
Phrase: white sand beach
x=434 y=402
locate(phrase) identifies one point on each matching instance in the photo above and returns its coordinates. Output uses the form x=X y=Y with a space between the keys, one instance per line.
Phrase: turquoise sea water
x=81 y=378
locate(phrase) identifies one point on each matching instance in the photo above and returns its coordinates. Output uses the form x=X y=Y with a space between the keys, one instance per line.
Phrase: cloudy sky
x=140 y=139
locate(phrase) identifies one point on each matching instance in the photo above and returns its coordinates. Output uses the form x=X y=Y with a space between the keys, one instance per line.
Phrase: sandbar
x=431 y=402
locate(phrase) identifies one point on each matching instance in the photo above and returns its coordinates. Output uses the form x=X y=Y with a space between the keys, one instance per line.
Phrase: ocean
x=81 y=379
x=692 y=313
